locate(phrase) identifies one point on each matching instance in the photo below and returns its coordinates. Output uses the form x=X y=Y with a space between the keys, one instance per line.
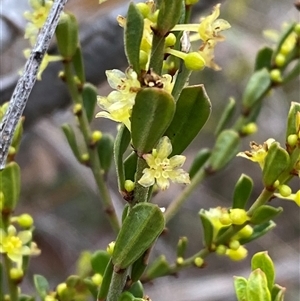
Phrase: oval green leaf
x=199 y=160
x=242 y=191
x=151 y=115
x=208 y=229
x=192 y=111
x=105 y=148
x=89 y=97
x=99 y=261
x=140 y=229
x=257 y=287
x=264 y=214
x=240 y=286
x=263 y=58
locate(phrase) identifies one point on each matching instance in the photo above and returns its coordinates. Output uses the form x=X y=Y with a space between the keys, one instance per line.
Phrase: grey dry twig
x=27 y=80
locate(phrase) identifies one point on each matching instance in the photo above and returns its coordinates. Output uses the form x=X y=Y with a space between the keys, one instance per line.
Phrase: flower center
x=11 y=244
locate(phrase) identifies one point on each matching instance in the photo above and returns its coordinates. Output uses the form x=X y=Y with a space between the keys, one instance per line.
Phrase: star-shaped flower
x=161 y=168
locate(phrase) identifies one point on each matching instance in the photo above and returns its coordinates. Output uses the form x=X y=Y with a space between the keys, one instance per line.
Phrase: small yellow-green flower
x=36 y=18
x=13 y=244
x=161 y=168
x=292 y=197
x=258 y=152
x=118 y=104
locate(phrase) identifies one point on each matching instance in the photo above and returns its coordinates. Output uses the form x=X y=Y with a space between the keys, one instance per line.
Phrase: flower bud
x=285 y=190
x=77 y=109
x=249 y=128
x=179 y=261
x=292 y=140
x=194 y=61
x=170 y=40
x=61 y=288
x=85 y=158
x=225 y=219
x=221 y=250
x=238 y=216
x=143 y=8
x=280 y=59
x=198 y=262
x=97 y=279
x=275 y=75
x=110 y=248
x=25 y=220
x=234 y=245
x=245 y=232
x=96 y=136
x=129 y=185
x=237 y=255
x=16 y=274
x=297 y=28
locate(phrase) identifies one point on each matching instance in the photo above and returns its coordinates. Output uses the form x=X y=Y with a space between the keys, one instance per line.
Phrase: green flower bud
x=245 y=232
x=143 y=8
x=96 y=136
x=275 y=75
x=25 y=220
x=170 y=40
x=97 y=279
x=280 y=59
x=110 y=248
x=16 y=274
x=198 y=262
x=194 y=61
x=237 y=255
x=234 y=244
x=292 y=140
x=285 y=190
x=225 y=219
x=276 y=184
x=129 y=185
x=297 y=28
x=221 y=250
x=77 y=109
x=238 y=216
x=61 y=288
x=85 y=158
x=179 y=261
x=249 y=128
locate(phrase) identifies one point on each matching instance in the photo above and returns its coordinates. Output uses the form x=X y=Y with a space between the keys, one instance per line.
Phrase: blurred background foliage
x=61 y=195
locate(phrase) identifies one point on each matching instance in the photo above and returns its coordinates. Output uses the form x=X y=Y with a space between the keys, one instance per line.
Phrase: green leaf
x=226 y=116
x=140 y=229
x=121 y=144
x=23 y=297
x=67 y=35
x=276 y=162
x=291 y=122
x=226 y=148
x=91 y=286
x=41 y=285
x=181 y=246
x=256 y=88
x=89 y=96
x=99 y=261
x=240 y=286
x=78 y=64
x=151 y=115
x=264 y=59
x=126 y=296
x=105 y=148
x=133 y=32
x=208 y=229
x=104 y=288
x=130 y=164
x=257 y=287
x=192 y=111
x=258 y=231
x=160 y=267
x=168 y=17
x=10 y=186
x=199 y=160
x=264 y=214
x=139 y=266
x=71 y=138
x=137 y=289
x=263 y=261
x=278 y=293
x=242 y=191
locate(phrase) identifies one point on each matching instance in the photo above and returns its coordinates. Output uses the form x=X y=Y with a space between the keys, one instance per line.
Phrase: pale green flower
x=13 y=244
x=118 y=104
x=258 y=152
x=161 y=169
x=36 y=18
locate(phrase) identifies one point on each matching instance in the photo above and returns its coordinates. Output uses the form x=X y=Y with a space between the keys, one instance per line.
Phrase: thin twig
x=27 y=80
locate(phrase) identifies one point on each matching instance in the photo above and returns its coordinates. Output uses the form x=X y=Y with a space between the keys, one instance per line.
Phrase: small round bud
x=297 y=28
x=85 y=157
x=143 y=8
x=292 y=140
x=77 y=109
x=16 y=274
x=245 y=232
x=25 y=220
x=276 y=184
x=153 y=17
x=225 y=219
x=179 y=261
x=170 y=40
x=194 y=61
x=234 y=244
x=275 y=75
x=221 y=250
x=96 y=136
x=238 y=216
x=129 y=185
x=285 y=190
x=237 y=255
x=280 y=59
x=61 y=288
x=110 y=248
x=198 y=262
x=97 y=279
x=249 y=128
